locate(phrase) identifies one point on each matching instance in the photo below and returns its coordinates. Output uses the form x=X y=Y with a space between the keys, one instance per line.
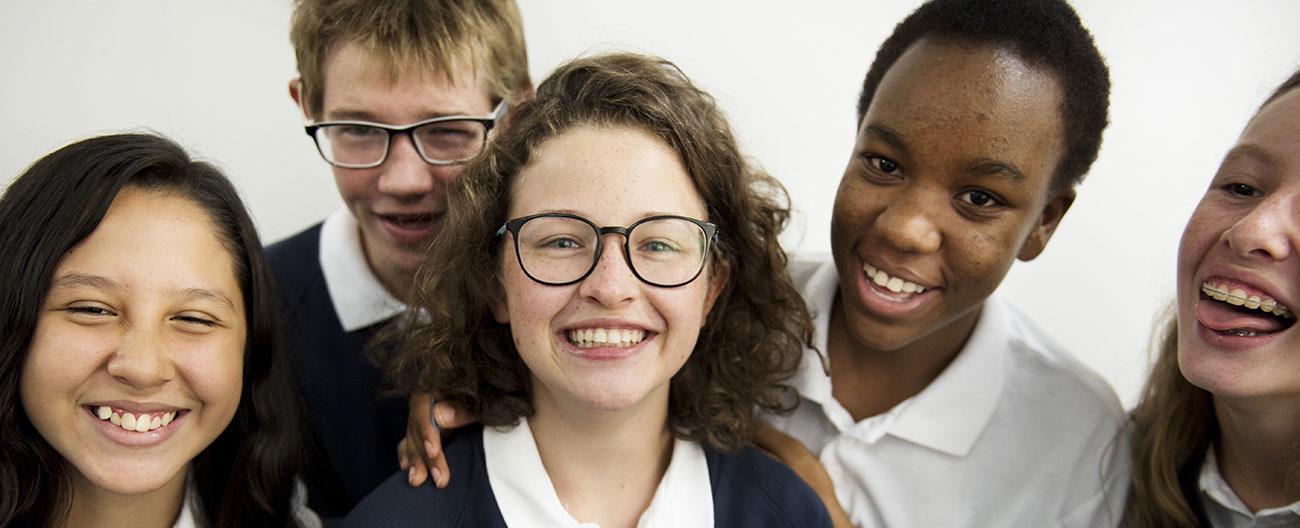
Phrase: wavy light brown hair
x=753 y=338
x=1174 y=425
x=485 y=36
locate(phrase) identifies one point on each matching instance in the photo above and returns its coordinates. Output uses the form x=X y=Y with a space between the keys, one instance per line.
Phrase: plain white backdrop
x=1186 y=76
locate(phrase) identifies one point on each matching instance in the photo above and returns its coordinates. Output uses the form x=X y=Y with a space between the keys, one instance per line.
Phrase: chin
x=128 y=478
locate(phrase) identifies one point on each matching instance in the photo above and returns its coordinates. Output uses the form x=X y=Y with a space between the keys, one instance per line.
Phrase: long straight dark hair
x=1174 y=425
x=246 y=476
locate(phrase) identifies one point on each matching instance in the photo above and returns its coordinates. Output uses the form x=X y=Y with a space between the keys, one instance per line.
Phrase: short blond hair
x=485 y=36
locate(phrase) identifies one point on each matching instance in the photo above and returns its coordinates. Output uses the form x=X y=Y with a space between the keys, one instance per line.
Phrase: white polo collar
x=526 y=497
x=1220 y=493
x=950 y=414
x=359 y=299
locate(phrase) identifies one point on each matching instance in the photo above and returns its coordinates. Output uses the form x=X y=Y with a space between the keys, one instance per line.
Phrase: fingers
x=411 y=463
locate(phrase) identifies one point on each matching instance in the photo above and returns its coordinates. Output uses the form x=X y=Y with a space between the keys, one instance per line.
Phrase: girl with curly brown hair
x=609 y=299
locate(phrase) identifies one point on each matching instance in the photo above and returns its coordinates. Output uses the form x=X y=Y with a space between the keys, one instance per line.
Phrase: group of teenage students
x=568 y=306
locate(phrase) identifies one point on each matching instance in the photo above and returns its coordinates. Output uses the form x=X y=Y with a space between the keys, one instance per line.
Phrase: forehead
x=359 y=80
x=611 y=175
x=1276 y=130
x=155 y=240
x=974 y=100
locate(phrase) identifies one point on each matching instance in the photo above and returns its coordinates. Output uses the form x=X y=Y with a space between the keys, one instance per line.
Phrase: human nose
x=611 y=282
x=1271 y=230
x=141 y=360
x=908 y=225
x=405 y=173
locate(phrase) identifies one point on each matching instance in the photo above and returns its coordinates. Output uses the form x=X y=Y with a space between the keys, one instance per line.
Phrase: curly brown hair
x=751 y=342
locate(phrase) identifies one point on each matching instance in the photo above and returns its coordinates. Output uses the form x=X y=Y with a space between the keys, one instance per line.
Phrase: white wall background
x=1186 y=76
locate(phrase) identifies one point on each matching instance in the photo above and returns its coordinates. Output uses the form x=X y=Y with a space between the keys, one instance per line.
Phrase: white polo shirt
x=526 y=497
x=1226 y=510
x=1014 y=432
x=360 y=300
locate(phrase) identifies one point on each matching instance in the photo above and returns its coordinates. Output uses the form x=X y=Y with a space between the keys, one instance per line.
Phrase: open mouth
x=604 y=337
x=1235 y=312
x=892 y=288
x=410 y=221
x=137 y=422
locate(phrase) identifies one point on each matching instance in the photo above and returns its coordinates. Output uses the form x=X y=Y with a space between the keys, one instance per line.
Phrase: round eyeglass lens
x=667 y=251
x=556 y=249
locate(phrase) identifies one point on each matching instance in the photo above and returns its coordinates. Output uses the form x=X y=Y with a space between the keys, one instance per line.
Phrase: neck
x=395 y=279
x=868 y=381
x=93 y=506
x=605 y=465
x=1259 y=450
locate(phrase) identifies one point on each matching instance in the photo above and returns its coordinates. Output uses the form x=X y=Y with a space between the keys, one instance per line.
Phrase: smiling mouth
x=1241 y=314
x=135 y=422
x=410 y=221
x=604 y=337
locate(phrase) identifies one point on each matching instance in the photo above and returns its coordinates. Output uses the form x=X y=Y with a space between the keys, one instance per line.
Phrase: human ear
x=1046 y=224
x=717 y=282
x=500 y=308
x=295 y=93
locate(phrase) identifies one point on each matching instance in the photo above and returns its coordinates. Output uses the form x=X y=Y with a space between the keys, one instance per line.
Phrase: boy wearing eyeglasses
x=396 y=96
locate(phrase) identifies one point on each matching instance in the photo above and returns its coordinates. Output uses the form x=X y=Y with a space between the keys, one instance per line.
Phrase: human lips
x=135 y=423
x=409 y=227
x=1241 y=307
x=606 y=339
x=891 y=293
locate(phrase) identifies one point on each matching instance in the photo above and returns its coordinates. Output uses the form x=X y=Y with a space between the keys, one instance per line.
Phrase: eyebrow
x=886 y=134
x=363 y=115
x=74 y=280
x=992 y=167
x=1250 y=152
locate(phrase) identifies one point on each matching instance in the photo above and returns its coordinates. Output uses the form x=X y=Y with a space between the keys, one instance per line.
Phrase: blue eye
x=658 y=246
x=562 y=243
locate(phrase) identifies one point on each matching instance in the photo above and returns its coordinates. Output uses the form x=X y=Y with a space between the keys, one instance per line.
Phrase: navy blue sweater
x=354 y=432
x=749 y=490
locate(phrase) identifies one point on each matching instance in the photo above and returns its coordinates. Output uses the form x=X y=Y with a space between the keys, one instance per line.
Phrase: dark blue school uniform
x=750 y=490
x=354 y=432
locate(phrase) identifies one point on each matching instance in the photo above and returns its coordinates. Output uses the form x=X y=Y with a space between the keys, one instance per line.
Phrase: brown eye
x=882 y=164
x=978 y=198
x=1241 y=189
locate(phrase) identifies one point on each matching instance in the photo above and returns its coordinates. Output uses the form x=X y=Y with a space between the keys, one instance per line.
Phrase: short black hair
x=1046 y=33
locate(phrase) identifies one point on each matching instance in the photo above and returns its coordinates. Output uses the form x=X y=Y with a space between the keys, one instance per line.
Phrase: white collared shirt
x=360 y=300
x=1226 y=510
x=1014 y=432
x=305 y=516
x=526 y=497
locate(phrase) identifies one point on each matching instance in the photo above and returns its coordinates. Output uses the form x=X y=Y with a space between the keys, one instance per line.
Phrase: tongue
x=1222 y=317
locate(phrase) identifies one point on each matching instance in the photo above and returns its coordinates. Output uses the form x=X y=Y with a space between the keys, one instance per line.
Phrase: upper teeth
x=616 y=337
x=1239 y=297
x=893 y=284
x=140 y=423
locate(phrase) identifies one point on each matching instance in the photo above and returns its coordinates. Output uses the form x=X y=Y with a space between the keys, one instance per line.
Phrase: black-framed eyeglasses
x=559 y=249
x=447 y=140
